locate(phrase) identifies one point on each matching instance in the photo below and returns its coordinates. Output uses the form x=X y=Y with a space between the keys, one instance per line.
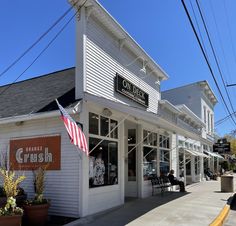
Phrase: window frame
x=108 y=139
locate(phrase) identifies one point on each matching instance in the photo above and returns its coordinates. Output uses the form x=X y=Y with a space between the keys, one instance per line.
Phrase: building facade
x=200 y=99
x=114 y=92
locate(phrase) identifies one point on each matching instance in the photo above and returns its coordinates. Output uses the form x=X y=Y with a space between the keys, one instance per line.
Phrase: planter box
x=11 y=220
x=36 y=215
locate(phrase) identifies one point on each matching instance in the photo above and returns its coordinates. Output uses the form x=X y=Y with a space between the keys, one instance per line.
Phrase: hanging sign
x=221 y=146
x=128 y=89
x=32 y=153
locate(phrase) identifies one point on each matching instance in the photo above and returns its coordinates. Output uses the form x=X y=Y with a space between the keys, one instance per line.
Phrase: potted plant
x=36 y=210
x=20 y=197
x=10 y=214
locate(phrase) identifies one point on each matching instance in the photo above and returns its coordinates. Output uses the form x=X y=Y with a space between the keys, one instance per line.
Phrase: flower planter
x=36 y=214
x=19 y=200
x=11 y=220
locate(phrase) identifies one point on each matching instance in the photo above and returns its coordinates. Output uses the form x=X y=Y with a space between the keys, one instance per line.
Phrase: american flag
x=75 y=133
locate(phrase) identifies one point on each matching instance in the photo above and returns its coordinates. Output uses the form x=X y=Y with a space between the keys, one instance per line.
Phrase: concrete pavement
x=199 y=206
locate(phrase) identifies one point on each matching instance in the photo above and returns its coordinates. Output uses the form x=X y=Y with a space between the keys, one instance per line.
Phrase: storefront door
x=131 y=185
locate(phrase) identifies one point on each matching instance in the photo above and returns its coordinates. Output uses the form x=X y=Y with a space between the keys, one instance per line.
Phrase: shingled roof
x=38 y=94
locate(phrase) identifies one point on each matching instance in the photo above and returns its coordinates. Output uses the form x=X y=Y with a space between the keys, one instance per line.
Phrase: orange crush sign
x=32 y=153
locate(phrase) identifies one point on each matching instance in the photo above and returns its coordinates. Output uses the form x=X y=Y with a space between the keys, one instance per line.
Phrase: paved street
x=199 y=206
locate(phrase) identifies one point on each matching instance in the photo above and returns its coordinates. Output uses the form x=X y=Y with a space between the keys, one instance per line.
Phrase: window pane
x=145 y=133
x=104 y=126
x=93 y=123
x=131 y=136
x=149 y=163
x=132 y=164
x=154 y=137
x=113 y=124
x=168 y=143
x=164 y=162
x=103 y=163
x=160 y=141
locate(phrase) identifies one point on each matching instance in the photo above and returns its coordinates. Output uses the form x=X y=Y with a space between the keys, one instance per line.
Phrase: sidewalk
x=199 y=206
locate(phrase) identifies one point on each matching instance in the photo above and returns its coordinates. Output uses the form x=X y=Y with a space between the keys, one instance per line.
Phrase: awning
x=201 y=154
x=189 y=151
x=195 y=153
x=219 y=156
x=214 y=154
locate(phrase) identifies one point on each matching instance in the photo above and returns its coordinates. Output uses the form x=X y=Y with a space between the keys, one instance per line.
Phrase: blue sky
x=159 y=26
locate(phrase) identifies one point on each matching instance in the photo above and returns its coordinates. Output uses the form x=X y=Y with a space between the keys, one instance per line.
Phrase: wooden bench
x=161 y=183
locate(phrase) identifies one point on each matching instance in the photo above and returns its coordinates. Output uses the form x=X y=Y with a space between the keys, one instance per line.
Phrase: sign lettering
x=128 y=89
x=32 y=153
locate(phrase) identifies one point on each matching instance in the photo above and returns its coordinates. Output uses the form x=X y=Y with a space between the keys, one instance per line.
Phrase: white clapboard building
x=114 y=92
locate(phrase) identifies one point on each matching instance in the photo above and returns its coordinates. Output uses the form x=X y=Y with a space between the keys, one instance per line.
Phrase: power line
x=44 y=49
x=217 y=123
x=201 y=37
x=220 y=41
x=37 y=41
x=199 y=30
x=230 y=33
x=208 y=64
x=214 y=54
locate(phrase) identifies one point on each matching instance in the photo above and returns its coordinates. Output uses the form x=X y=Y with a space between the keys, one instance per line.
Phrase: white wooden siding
x=62 y=186
x=104 y=59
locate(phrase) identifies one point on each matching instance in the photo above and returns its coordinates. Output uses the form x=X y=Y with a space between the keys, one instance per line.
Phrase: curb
x=219 y=220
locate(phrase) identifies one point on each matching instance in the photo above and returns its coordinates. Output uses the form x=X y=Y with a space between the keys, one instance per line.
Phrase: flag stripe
x=76 y=135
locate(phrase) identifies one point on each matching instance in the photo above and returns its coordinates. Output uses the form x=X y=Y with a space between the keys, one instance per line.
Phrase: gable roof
x=37 y=94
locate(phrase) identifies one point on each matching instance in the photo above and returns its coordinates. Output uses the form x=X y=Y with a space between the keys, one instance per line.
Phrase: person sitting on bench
x=174 y=181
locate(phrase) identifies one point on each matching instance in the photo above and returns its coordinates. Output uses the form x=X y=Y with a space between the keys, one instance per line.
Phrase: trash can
x=227 y=183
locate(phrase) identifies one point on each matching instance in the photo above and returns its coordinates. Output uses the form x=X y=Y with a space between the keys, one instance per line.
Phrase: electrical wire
x=37 y=41
x=214 y=54
x=220 y=121
x=208 y=64
x=221 y=42
x=44 y=49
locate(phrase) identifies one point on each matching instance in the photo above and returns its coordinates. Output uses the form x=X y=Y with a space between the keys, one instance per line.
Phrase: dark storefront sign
x=32 y=153
x=221 y=146
x=128 y=89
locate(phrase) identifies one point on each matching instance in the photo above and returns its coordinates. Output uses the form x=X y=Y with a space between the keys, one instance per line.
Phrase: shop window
x=154 y=139
x=181 y=164
x=132 y=136
x=188 y=164
x=149 y=163
x=103 y=163
x=164 y=162
x=205 y=163
x=114 y=133
x=93 y=123
x=197 y=165
x=102 y=126
x=164 y=141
